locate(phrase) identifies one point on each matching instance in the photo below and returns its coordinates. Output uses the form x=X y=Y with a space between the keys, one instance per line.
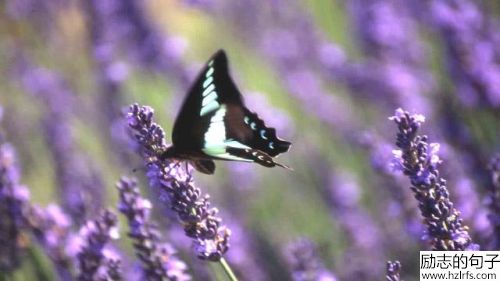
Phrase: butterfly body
x=214 y=124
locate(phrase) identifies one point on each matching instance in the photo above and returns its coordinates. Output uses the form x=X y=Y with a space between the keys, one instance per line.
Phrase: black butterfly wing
x=215 y=122
x=192 y=123
x=247 y=128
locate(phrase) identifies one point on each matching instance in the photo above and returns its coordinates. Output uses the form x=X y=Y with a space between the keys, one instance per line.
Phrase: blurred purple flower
x=494 y=201
x=204 y=4
x=109 y=72
x=419 y=161
x=176 y=186
x=40 y=13
x=343 y=196
x=389 y=37
x=158 y=260
x=465 y=154
x=92 y=254
x=79 y=182
x=111 y=270
x=244 y=255
x=466 y=193
x=307 y=88
x=401 y=207
x=386 y=30
x=393 y=271
x=472 y=51
x=51 y=227
x=305 y=263
x=13 y=203
x=127 y=25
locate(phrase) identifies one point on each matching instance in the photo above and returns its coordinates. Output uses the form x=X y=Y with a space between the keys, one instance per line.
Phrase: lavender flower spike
x=112 y=267
x=157 y=259
x=96 y=234
x=393 y=269
x=419 y=161
x=50 y=226
x=175 y=183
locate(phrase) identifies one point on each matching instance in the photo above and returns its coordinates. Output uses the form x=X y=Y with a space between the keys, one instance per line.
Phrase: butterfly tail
x=256 y=156
x=283 y=166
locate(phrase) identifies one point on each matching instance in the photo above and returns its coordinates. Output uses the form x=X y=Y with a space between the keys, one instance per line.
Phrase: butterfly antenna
x=284 y=166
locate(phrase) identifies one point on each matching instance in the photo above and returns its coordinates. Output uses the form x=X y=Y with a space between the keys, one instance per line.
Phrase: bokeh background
x=326 y=74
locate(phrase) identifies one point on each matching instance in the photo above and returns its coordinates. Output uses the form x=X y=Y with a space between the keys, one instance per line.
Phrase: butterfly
x=214 y=124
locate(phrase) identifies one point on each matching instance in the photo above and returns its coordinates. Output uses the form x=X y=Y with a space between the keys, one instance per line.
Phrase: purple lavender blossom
x=393 y=271
x=419 y=161
x=176 y=186
x=494 y=201
x=111 y=270
x=158 y=260
x=305 y=262
x=51 y=228
x=95 y=234
x=13 y=202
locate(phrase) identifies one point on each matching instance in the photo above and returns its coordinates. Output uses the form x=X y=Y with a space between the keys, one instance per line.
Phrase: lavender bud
x=51 y=227
x=393 y=269
x=95 y=234
x=158 y=260
x=111 y=269
x=418 y=160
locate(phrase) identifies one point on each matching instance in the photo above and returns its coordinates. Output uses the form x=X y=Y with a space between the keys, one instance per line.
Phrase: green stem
x=228 y=270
